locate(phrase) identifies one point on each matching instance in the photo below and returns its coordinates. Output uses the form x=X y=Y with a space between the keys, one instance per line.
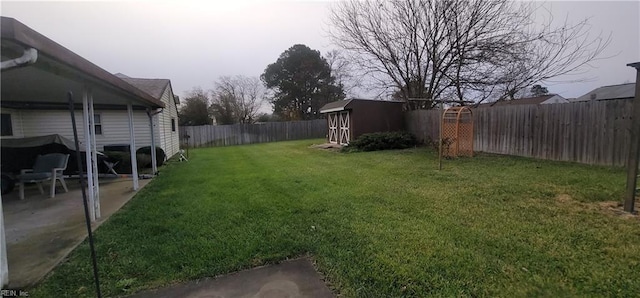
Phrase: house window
x=5 y=126
x=98 y=124
x=173 y=124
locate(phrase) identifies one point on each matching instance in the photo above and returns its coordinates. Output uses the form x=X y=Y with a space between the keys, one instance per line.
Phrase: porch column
x=94 y=159
x=4 y=268
x=88 y=128
x=132 y=148
x=154 y=165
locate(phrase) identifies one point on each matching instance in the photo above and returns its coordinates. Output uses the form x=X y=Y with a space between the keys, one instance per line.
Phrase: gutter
x=29 y=56
x=332 y=110
x=155 y=112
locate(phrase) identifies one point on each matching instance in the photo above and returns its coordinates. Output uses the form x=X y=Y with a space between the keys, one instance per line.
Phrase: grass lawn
x=382 y=224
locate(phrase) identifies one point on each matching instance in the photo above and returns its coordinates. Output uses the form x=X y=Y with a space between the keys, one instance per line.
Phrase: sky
x=192 y=43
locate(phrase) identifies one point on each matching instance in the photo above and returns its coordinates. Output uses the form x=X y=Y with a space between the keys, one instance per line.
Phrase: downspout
x=29 y=56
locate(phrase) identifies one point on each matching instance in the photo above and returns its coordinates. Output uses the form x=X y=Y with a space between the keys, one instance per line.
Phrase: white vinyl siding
x=115 y=126
x=168 y=140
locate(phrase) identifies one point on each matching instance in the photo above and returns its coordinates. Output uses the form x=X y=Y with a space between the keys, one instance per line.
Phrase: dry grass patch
x=611 y=208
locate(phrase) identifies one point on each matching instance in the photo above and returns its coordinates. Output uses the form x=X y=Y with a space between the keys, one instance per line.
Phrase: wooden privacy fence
x=240 y=134
x=594 y=132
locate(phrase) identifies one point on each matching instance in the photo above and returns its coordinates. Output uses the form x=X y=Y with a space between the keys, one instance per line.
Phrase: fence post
x=634 y=148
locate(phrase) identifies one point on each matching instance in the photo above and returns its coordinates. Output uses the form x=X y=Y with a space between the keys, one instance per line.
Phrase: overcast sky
x=194 y=42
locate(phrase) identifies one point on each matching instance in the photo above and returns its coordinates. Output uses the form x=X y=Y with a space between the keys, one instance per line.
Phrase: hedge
x=382 y=141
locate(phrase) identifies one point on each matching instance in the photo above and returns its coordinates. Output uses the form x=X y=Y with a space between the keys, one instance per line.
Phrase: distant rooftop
x=520 y=101
x=620 y=91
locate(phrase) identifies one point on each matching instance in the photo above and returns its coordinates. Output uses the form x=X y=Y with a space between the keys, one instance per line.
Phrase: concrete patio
x=42 y=231
x=292 y=278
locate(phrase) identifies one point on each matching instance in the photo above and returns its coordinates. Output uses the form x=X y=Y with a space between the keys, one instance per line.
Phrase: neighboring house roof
x=620 y=91
x=347 y=104
x=525 y=101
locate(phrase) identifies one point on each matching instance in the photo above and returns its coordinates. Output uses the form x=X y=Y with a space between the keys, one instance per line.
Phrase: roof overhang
x=332 y=110
x=335 y=106
x=57 y=71
x=635 y=65
x=349 y=104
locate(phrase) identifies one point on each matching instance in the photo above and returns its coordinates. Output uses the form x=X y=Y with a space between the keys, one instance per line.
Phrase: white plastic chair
x=47 y=167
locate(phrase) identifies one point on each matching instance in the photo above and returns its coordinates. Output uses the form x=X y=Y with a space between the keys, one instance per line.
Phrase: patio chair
x=47 y=167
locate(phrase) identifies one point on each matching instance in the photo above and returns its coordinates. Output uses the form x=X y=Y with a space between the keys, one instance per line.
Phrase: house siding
x=115 y=126
x=169 y=140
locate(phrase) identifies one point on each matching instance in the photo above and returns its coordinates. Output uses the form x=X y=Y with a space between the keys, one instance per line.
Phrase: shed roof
x=627 y=90
x=347 y=104
x=334 y=106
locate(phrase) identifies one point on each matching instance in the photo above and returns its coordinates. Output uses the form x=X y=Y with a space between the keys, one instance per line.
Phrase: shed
x=348 y=119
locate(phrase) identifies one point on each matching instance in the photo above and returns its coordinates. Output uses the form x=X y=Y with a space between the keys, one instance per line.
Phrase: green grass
x=384 y=224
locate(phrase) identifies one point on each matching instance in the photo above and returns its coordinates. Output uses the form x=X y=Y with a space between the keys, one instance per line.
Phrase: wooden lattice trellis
x=456 y=136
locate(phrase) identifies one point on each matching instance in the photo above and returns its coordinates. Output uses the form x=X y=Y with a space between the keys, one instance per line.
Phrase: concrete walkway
x=294 y=278
x=42 y=231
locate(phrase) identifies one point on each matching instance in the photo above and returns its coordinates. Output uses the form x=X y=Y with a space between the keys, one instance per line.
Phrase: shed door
x=344 y=127
x=333 y=128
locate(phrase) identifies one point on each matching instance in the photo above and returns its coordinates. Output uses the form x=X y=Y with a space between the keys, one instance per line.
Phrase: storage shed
x=348 y=119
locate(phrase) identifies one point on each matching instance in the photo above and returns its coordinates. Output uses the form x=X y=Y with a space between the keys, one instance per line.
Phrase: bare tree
x=462 y=49
x=345 y=74
x=238 y=99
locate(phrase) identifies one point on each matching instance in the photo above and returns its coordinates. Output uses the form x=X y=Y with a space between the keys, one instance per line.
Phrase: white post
x=154 y=165
x=94 y=157
x=132 y=148
x=4 y=268
x=87 y=149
